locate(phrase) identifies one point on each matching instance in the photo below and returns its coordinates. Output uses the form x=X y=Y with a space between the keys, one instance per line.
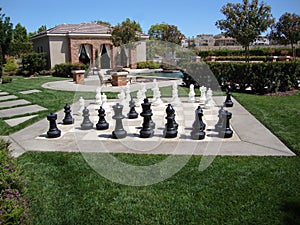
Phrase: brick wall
x=74 y=44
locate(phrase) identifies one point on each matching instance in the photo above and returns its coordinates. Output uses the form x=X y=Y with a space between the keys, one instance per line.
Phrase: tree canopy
x=20 y=41
x=126 y=32
x=166 y=32
x=6 y=32
x=245 y=21
x=287 y=30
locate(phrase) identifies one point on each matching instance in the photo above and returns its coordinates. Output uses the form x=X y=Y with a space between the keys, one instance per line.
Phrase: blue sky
x=192 y=17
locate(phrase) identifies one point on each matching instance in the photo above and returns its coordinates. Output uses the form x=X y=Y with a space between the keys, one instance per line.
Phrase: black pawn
x=68 y=117
x=221 y=121
x=102 y=124
x=119 y=131
x=198 y=125
x=147 y=130
x=170 y=130
x=226 y=132
x=228 y=102
x=132 y=113
x=173 y=112
x=86 y=123
x=53 y=132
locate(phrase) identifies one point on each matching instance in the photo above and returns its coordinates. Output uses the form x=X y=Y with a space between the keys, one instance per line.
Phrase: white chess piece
x=105 y=106
x=127 y=92
x=192 y=94
x=122 y=97
x=209 y=101
x=156 y=95
x=203 y=95
x=175 y=99
x=81 y=105
x=143 y=91
x=98 y=97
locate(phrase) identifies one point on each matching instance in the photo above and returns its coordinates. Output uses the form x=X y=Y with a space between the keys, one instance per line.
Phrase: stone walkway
x=16 y=110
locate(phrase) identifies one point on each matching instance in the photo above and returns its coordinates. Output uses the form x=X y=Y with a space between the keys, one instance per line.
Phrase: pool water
x=176 y=74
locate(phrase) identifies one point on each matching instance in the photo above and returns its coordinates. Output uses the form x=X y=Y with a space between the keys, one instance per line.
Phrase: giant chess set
x=143 y=119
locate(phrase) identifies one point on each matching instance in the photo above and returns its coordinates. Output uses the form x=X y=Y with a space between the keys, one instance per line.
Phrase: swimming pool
x=175 y=74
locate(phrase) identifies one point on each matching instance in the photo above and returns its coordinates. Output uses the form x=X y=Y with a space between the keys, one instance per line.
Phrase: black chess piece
x=119 y=131
x=228 y=102
x=147 y=130
x=173 y=112
x=220 y=122
x=68 y=117
x=170 y=130
x=198 y=125
x=102 y=123
x=86 y=123
x=53 y=131
x=132 y=113
x=226 y=132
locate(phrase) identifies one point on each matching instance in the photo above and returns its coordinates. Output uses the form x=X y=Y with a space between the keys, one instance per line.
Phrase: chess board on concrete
x=88 y=140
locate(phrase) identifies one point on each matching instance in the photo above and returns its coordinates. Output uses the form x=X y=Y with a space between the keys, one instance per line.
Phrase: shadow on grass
x=291 y=211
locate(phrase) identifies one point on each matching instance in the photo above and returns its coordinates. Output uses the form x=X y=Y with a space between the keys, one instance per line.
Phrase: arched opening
x=85 y=53
x=105 y=56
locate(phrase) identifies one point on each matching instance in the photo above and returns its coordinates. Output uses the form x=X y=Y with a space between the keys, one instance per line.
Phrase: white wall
x=59 y=47
x=141 y=51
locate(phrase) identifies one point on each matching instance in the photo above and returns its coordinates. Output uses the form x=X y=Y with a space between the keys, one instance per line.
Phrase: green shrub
x=34 y=62
x=65 y=69
x=148 y=64
x=6 y=79
x=13 y=205
x=10 y=67
x=261 y=77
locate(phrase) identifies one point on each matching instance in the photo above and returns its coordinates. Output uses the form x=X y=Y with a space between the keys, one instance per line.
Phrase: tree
x=5 y=34
x=126 y=33
x=245 y=22
x=166 y=32
x=20 y=42
x=103 y=23
x=287 y=30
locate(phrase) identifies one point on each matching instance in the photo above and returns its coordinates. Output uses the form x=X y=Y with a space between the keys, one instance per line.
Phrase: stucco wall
x=141 y=51
x=42 y=45
x=59 y=50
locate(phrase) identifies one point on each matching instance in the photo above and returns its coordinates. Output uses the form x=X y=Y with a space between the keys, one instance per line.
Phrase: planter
x=119 y=79
x=78 y=76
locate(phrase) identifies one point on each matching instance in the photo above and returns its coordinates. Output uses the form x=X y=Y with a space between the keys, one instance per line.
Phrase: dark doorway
x=105 y=60
x=83 y=57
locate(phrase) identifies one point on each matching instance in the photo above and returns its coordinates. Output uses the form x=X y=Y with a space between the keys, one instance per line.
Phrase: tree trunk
x=294 y=52
x=247 y=53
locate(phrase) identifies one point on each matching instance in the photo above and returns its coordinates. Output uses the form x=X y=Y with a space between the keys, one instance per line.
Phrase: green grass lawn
x=53 y=100
x=64 y=189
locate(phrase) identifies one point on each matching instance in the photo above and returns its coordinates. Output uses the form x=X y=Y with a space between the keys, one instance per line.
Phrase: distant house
x=221 y=40
x=86 y=43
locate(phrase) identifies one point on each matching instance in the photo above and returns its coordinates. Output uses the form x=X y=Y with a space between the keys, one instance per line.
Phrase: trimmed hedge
x=13 y=205
x=261 y=77
x=148 y=64
x=65 y=69
x=252 y=52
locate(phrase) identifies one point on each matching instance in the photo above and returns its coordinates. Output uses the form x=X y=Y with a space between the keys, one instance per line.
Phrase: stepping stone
x=21 y=110
x=7 y=97
x=4 y=93
x=13 y=103
x=29 y=92
x=17 y=121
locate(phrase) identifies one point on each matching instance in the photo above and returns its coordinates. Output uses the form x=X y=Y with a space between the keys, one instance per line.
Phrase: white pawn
x=140 y=98
x=203 y=95
x=81 y=105
x=192 y=94
x=156 y=96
